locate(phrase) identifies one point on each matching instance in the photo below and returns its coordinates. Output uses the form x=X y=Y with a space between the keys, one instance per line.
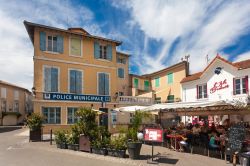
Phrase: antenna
x=185 y=58
x=207 y=59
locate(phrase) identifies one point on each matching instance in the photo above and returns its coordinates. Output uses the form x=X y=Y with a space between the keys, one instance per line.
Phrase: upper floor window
x=146 y=85
x=201 y=91
x=136 y=82
x=170 y=78
x=16 y=95
x=102 y=51
x=3 y=93
x=103 y=84
x=50 y=79
x=120 y=72
x=157 y=82
x=240 y=85
x=75 y=84
x=121 y=60
x=52 y=43
x=75 y=47
x=16 y=106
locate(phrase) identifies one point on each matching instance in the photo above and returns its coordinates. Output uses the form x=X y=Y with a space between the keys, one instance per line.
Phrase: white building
x=220 y=80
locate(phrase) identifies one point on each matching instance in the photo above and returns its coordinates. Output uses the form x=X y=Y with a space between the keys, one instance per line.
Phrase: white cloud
x=203 y=27
x=243 y=56
x=16 y=51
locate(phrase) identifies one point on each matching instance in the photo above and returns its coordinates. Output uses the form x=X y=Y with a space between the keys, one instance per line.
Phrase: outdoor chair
x=204 y=142
x=214 y=149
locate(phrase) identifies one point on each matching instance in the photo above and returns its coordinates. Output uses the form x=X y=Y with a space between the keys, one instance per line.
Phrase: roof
x=239 y=65
x=166 y=69
x=30 y=29
x=123 y=53
x=13 y=85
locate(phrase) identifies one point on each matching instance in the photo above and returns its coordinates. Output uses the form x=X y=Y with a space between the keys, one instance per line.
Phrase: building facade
x=221 y=80
x=16 y=104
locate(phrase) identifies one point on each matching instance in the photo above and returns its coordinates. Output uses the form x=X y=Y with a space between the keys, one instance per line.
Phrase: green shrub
x=35 y=121
x=60 y=136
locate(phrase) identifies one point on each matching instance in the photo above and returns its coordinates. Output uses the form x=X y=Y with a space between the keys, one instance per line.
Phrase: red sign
x=219 y=85
x=153 y=135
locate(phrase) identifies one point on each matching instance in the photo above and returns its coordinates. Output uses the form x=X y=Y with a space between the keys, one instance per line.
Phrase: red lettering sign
x=153 y=135
x=219 y=85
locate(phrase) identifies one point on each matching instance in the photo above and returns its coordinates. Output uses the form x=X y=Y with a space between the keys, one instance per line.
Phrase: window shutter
x=109 y=52
x=247 y=88
x=54 y=79
x=42 y=41
x=60 y=44
x=101 y=83
x=106 y=77
x=78 y=82
x=96 y=50
x=47 y=79
x=197 y=92
x=233 y=86
x=122 y=73
x=72 y=81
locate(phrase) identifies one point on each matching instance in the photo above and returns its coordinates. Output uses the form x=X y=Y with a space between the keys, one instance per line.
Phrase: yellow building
x=15 y=104
x=73 y=69
x=163 y=86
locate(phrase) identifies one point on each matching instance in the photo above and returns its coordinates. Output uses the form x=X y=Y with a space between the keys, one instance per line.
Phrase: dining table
x=174 y=138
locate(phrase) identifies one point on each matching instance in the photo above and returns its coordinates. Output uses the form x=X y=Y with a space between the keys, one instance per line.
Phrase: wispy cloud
x=202 y=27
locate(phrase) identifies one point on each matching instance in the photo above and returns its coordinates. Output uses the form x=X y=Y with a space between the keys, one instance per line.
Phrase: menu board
x=153 y=135
x=236 y=136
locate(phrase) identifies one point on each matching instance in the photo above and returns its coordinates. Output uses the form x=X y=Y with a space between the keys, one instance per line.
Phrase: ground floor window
x=71 y=116
x=3 y=105
x=52 y=115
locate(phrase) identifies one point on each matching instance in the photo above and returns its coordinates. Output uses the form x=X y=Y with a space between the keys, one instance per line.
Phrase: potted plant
x=73 y=138
x=96 y=147
x=119 y=146
x=34 y=122
x=134 y=144
x=61 y=139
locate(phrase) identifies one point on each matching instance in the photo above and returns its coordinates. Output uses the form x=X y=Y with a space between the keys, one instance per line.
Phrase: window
x=120 y=94
x=120 y=72
x=136 y=82
x=75 y=47
x=202 y=91
x=121 y=60
x=3 y=93
x=52 y=115
x=157 y=100
x=240 y=85
x=52 y=43
x=50 y=79
x=3 y=105
x=146 y=85
x=16 y=95
x=157 y=82
x=16 y=106
x=72 y=118
x=170 y=78
x=103 y=84
x=102 y=51
x=75 y=84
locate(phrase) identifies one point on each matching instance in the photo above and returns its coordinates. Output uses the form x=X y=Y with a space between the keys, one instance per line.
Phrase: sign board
x=75 y=97
x=113 y=117
x=153 y=135
x=236 y=136
x=219 y=85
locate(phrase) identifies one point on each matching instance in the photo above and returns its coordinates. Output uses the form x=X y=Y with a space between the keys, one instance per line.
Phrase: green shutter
x=170 y=99
x=157 y=82
x=146 y=85
x=170 y=78
x=42 y=41
x=136 y=81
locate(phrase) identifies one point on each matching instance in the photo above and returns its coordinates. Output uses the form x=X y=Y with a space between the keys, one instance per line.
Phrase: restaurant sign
x=75 y=97
x=153 y=135
x=219 y=85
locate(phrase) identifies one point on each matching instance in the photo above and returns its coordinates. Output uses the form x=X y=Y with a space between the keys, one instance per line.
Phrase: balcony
x=132 y=100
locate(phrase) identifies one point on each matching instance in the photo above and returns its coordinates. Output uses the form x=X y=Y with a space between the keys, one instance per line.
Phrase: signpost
x=153 y=135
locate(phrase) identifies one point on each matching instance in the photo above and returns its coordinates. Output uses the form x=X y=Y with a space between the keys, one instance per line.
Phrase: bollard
x=234 y=160
x=50 y=136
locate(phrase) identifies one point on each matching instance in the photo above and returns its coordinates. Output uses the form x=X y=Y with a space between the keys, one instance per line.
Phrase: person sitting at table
x=196 y=129
x=183 y=143
x=212 y=140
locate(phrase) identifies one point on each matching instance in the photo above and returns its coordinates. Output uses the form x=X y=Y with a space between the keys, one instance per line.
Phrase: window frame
x=69 y=69
x=3 y=89
x=171 y=73
x=81 y=45
x=98 y=83
x=58 y=83
x=73 y=119
x=146 y=89
x=242 y=81
x=47 y=43
x=16 y=109
x=123 y=73
x=54 y=110
x=202 y=90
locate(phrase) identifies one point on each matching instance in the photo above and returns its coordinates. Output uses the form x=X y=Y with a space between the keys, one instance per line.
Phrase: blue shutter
x=121 y=73
x=109 y=52
x=42 y=41
x=54 y=79
x=96 y=50
x=72 y=83
x=100 y=83
x=106 y=77
x=60 y=44
x=47 y=79
x=78 y=82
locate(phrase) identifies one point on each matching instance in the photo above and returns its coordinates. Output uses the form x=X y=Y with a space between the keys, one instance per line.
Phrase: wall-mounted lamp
x=34 y=90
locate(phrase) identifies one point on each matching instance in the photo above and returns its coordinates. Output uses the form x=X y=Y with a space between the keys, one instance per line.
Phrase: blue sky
x=156 y=33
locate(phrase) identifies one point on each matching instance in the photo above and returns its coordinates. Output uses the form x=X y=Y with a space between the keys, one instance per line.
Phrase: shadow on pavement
x=165 y=160
x=9 y=128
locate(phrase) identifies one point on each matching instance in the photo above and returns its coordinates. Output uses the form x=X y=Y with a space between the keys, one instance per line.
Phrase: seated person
x=196 y=129
x=212 y=140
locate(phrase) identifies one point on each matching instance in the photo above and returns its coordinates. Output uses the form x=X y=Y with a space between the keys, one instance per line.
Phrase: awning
x=130 y=108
